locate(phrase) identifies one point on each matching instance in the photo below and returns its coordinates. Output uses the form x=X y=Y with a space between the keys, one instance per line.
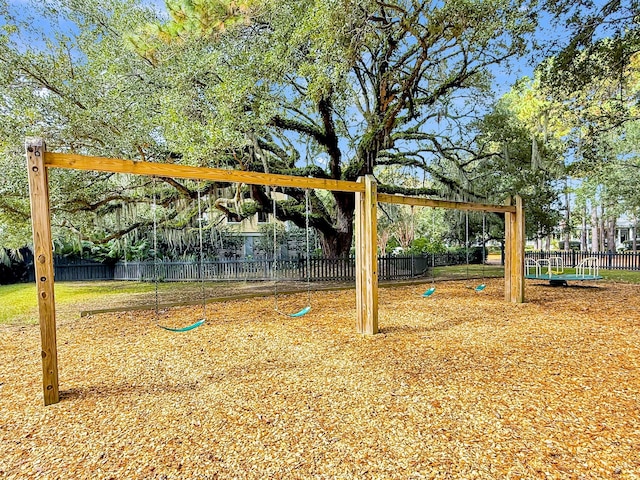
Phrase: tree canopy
x=334 y=89
x=328 y=89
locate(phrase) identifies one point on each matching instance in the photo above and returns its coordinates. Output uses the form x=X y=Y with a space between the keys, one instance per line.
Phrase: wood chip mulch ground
x=460 y=385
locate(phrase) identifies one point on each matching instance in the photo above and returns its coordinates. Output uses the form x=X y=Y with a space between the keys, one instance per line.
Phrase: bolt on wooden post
x=43 y=254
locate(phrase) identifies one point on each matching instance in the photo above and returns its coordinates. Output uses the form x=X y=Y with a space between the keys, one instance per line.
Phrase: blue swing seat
x=480 y=287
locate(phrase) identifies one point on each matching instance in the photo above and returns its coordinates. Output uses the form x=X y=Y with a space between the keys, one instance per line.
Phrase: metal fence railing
x=606 y=260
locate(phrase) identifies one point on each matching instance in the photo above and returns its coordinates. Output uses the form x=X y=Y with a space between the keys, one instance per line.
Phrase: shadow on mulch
x=101 y=391
x=437 y=327
x=572 y=286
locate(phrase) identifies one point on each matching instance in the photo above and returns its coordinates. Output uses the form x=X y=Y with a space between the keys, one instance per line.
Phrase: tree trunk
x=602 y=229
x=611 y=234
x=595 y=246
x=583 y=236
x=383 y=239
x=634 y=245
x=567 y=225
x=336 y=242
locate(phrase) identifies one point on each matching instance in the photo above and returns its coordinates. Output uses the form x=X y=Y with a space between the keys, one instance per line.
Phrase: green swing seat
x=302 y=312
x=429 y=292
x=306 y=309
x=155 y=267
x=183 y=329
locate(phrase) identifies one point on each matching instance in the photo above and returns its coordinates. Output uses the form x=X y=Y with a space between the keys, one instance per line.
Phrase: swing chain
x=306 y=227
x=484 y=240
x=466 y=239
x=200 y=263
x=433 y=247
x=275 y=253
x=155 y=248
x=306 y=309
x=156 y=270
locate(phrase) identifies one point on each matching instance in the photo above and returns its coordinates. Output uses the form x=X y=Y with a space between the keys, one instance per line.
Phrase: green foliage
x=69 y=78
x=526 y=131
x=424 y=245
x=265 y=243
x=326 y=74
x=257 y=85
x=595 y=75
x=474 y=254
x=602 y=43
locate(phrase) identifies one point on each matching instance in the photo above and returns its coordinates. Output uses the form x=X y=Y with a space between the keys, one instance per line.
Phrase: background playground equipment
x=552 y=269
x=366 y=201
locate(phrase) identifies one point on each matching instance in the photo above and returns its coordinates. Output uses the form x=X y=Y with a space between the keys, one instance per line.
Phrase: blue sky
x=504 y=77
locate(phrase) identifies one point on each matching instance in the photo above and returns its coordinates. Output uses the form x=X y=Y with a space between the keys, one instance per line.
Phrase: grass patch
x=472 y=271
x=624 y=276
x=621 y=276
x=20 y=304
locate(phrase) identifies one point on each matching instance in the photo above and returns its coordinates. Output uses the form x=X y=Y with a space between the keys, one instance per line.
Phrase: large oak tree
x=333 y=89
x=357 y=85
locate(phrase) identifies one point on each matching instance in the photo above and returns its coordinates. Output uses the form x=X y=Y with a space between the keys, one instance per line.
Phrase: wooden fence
x=320 y=269
x=607 y=260
x=77 y=269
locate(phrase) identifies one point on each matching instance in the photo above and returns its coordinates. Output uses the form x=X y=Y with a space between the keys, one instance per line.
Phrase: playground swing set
x=307 y=212
x=156 y=274
x=478 y=288
x=39 y=161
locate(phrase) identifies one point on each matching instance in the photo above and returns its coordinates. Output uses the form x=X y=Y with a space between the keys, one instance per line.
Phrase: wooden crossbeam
x=114 y=165
x=428 y=202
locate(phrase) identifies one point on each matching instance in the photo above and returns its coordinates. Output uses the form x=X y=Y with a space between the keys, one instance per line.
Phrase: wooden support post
x=371 y=234
x=514 y=230
x=367 y=258
x=517 y=247
x=507 y=252
x=360 y=279
x=43 y=254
